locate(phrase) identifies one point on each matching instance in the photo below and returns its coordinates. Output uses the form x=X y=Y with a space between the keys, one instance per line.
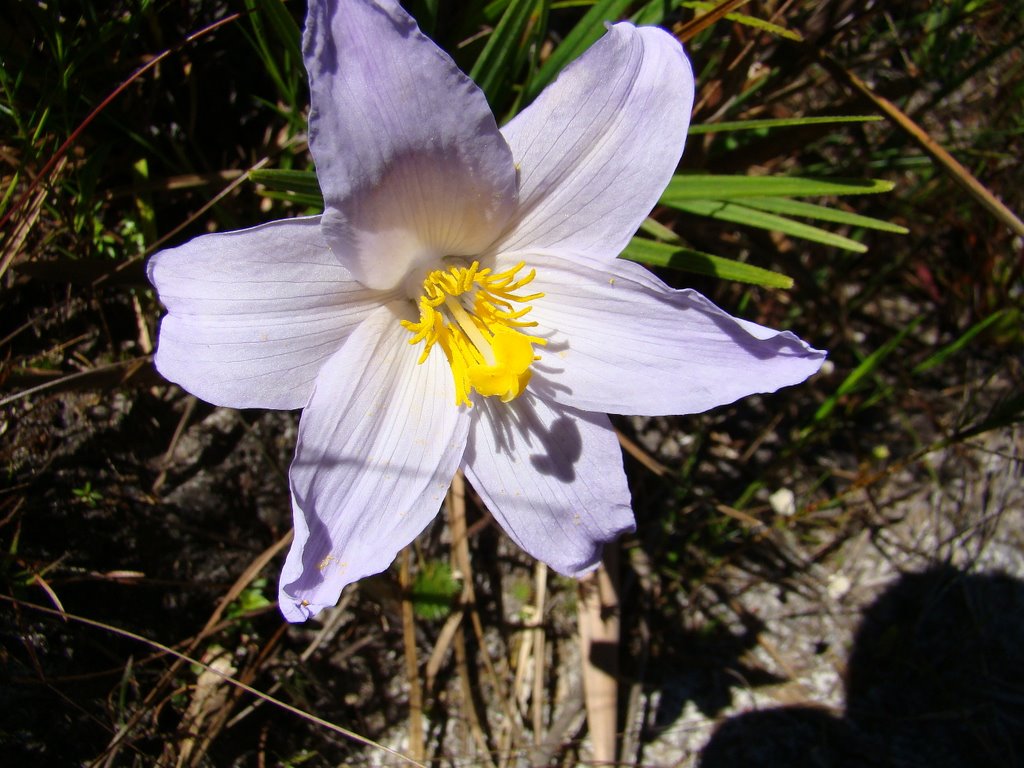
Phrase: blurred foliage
x=433 y=590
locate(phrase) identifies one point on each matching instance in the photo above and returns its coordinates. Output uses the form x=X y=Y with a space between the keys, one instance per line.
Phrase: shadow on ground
x=935 y=678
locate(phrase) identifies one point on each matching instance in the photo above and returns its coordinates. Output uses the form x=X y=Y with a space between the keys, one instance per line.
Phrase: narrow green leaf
x=278 y=41
x=686 y=259
x=589 y=28
x=530 y=53
x=314 y=203
x=425 y=12
x=144 y=202
x=260 y=43
x=938 y=358
x=284 y=25
x=494 y=9
x=749 y=21
x=493 y=66
x=789 y=207
x=698 y=186
x=780 y=122
x=1005 y=413
x=654 y=13
x=862 y=371
x=658 y=230
x=300 y=186
x=750 y=217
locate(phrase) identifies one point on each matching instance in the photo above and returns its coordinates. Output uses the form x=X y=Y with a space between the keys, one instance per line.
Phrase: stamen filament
x=472 y=314
x=469 y=328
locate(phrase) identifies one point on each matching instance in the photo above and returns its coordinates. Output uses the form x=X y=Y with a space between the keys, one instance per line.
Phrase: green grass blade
x=659 y=231
x=300 y=186
x=751 y=217
x=654 y=12
x=781 y=122
x=698 y=186
x=589 y=29
x=314 y=203
x=749 y=21
x=492 y=11
x=284 y=26
x=787 y=207
x=1005 y=413
x=940 y=357
x=278 y=41
x=862 y=371
x=258 y=40
x=504 y=47
x=688 y=260
x=425 y=12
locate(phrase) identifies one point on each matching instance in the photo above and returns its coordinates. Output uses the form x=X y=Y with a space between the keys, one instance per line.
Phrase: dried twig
x=599 y=647
x=956 y=171
x=694 y=27
x=537 y=702
x=185 y=659
x=412 y=667
x=456 y=504
x=181 y=659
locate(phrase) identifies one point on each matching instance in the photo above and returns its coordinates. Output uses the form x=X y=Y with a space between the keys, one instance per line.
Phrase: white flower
x=459 y=303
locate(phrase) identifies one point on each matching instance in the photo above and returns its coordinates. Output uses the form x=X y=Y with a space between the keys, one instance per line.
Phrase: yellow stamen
x=472 y=314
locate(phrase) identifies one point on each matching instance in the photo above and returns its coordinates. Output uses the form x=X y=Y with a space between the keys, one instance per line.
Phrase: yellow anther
x=472 y=314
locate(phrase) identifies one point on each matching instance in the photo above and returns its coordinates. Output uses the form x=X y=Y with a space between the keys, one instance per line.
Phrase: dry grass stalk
x=412 y=670
x=461 y=564
x=956 y=170
x=209 y=696
x=599 y=640
x=537 y=703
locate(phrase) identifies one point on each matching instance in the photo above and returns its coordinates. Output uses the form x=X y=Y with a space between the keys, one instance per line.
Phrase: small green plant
x=300 y=758
x=87 y=495
x=251 y=599
x=433 y=590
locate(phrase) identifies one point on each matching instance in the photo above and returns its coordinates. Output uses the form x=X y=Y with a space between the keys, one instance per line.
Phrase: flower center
x=472 y=314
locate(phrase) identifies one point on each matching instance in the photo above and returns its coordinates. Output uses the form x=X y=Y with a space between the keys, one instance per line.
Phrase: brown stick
x=599 y=647
x=412 y=669
x=946 y=161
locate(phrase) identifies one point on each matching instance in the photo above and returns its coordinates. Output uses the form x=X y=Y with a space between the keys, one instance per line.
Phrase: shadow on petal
x=544 y=382
x=315 y=553
x=551 y=477
x=762 y=346
x=563 y=446
x=556 y=449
